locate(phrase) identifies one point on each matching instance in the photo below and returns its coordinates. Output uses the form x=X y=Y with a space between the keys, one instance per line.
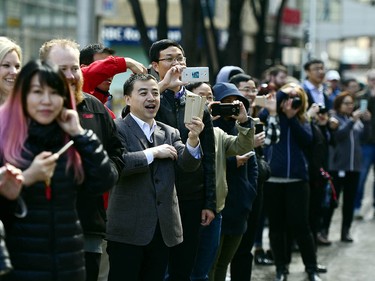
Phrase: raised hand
x=69 y=122
x=259 y=139
x=172 y=78
x=135 y=66
x=195 y=128
x=11 y=180
x=242 y=116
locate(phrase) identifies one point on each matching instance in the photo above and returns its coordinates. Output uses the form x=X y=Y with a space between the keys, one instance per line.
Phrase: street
x=345 y=261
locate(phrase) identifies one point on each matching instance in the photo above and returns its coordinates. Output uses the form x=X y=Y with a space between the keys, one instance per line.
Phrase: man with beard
x=94 y=116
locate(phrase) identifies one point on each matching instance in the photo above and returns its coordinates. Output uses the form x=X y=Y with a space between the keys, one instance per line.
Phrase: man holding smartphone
x=195 y=190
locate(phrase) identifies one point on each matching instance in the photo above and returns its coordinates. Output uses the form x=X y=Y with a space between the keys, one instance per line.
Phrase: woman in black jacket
x=37 y=120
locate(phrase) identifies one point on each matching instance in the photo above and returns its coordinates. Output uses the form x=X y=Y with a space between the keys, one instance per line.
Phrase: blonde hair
x=6 y=46
x=297 y=89
x=45 y=49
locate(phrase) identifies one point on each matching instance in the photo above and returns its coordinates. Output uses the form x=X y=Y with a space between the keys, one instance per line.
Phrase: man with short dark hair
x=143 y=213
x=197 y=190
x=313 y=85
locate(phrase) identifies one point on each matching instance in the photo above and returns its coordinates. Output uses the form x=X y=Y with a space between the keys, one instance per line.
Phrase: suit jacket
x=146 y=194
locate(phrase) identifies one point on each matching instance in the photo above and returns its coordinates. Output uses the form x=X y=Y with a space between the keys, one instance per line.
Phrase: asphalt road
x=345 y=261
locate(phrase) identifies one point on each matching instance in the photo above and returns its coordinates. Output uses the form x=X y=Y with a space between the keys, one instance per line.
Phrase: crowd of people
x=149 y=196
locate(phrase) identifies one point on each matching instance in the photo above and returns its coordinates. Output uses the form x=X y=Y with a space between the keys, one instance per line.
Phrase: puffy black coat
x=48 y=243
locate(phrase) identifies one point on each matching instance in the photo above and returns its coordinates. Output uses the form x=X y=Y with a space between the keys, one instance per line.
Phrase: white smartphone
x=249 y=154
x=363 y=105
x=65 y=147
x=195 y=74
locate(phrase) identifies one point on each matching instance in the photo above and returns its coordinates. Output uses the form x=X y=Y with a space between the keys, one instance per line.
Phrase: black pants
x=242 y=262
x=317 y=210
x=182 y=256
x=92 y=261
x=348 y=185
x=138 y=263
x=287 y=205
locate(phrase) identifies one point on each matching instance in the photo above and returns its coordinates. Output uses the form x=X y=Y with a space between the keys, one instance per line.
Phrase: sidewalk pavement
x=345 y=261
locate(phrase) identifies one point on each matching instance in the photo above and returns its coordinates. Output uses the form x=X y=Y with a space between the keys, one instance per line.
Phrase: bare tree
x=138 y=15
x=277 y=47
x=260 y=9
x=190 y=29
x=233 y=49
x=200 y=42
x=162 y=19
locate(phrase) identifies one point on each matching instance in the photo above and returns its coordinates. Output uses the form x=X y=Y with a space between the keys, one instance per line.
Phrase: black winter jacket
x=47 y=244
x=199 y=184
x=94 y=116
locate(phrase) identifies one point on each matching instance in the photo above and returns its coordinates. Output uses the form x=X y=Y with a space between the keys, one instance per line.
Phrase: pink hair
x=15 y=123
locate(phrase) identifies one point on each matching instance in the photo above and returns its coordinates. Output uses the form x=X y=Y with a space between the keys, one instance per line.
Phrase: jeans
x=368 y=158
x=209 y=239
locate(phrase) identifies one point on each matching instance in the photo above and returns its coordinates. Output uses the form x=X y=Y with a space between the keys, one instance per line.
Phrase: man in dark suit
x=143 y=212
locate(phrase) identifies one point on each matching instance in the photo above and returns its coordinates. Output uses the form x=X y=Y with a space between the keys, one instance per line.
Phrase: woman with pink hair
x=39 y=118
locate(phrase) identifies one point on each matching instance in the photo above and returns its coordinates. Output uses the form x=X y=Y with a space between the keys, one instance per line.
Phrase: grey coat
x=346 y=154
x=146 y=194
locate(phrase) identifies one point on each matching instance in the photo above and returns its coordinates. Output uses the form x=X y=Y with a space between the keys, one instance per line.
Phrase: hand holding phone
x=260 y=101
x=249 y=154
x=225 y=109
x=363 y=105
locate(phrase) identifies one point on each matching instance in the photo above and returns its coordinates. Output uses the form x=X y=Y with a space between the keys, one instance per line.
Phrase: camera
x=225 y=109
x=296 y=102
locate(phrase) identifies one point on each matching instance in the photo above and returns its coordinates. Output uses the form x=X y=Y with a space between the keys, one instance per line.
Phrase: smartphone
x=259 y=128
x=195 y=74
x=260 y=101
x=363 y=105
x=225 y=109
x=194 y=107
x=249 y=154
x=65 y=148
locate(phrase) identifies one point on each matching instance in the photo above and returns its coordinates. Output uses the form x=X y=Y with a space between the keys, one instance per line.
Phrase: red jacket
x=96 y=73
x=99 y=71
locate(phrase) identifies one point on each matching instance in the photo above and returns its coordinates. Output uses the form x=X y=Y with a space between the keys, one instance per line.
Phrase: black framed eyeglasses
x=174 y=59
